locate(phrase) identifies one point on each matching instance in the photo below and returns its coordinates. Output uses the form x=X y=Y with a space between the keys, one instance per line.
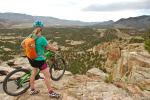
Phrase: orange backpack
x=29 y=47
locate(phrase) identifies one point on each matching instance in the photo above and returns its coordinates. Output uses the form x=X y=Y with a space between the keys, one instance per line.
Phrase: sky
x=82 y=10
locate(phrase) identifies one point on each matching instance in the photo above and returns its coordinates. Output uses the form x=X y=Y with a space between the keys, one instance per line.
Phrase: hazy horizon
x=68 y=19
x=79 y=10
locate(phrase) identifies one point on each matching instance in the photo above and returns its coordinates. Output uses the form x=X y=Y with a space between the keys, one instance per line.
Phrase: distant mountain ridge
x=140 y=22
x=17 y=20
x=134 y=22
x=23 y=20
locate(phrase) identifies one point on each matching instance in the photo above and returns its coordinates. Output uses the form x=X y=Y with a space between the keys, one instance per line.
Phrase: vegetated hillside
x=75 y=44
x=141 y=22
x=5 y=23
x=105 y=24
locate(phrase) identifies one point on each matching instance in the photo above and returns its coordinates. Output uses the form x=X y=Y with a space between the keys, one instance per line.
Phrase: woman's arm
x=51 y=47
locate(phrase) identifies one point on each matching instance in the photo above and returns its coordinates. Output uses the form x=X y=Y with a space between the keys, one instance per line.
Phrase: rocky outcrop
x=19 y=62
x=113 y=55
x=96 y=72
x=83 y=87
x=134 y=67
x=4 y=70
x=7 y=67
x=126 y=62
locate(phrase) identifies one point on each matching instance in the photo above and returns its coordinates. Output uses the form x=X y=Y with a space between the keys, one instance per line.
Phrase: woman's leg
x=47 y=78
x=32 y=77
x=48 y=83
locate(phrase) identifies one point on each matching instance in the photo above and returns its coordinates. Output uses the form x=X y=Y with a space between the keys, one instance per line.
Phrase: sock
x=32 y=89
x=50 y=91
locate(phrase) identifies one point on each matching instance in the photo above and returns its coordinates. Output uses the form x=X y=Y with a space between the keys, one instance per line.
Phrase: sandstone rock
x=133 y=68
x=2 y=78
x=84 y=88
x=4 y=70
x=67 y=73
x=22 y=62
x=67 y=97
x=98 y=72
x=120 y=84
x=7 y=49
x=146 y=95
x=7 y=69
x=4 y=65
x=133 y=89
x=11 y=63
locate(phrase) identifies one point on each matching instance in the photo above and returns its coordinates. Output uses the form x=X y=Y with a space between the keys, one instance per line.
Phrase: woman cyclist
x=39 y=62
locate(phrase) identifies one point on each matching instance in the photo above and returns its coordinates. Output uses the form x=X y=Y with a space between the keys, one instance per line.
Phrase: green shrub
x=147 y=45
x=109 y=78
x=146 y=36
x=136 y=40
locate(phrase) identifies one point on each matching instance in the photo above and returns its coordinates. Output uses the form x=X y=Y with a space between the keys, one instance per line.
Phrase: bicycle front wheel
x=16 y=82
x=57 y=69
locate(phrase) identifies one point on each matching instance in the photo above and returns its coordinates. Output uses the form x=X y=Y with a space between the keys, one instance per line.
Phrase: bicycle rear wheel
x=16 y=82
x=57 y=69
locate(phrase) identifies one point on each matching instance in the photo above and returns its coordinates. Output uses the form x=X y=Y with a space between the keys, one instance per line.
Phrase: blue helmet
x=38 y=24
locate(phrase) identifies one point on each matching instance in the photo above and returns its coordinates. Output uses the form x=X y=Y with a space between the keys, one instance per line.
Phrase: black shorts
x=38 y=64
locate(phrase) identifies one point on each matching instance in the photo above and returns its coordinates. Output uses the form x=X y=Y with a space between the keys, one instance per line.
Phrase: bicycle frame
x=23 y=79
x=26 y=76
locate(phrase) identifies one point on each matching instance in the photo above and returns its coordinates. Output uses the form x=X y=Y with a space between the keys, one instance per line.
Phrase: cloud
x=119 y=6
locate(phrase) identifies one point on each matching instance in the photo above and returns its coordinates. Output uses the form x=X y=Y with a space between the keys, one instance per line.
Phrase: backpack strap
x=32 y=36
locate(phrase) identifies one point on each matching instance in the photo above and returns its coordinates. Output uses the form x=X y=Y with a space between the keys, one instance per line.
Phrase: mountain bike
x=17 y=81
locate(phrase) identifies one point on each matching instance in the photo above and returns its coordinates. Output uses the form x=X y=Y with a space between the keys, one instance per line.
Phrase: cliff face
x=127 y=76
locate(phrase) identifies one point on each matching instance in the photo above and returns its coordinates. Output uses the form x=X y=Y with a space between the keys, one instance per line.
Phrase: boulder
x=4 y=71
x=67 y=73
x=97 y=72
x=22 y=62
